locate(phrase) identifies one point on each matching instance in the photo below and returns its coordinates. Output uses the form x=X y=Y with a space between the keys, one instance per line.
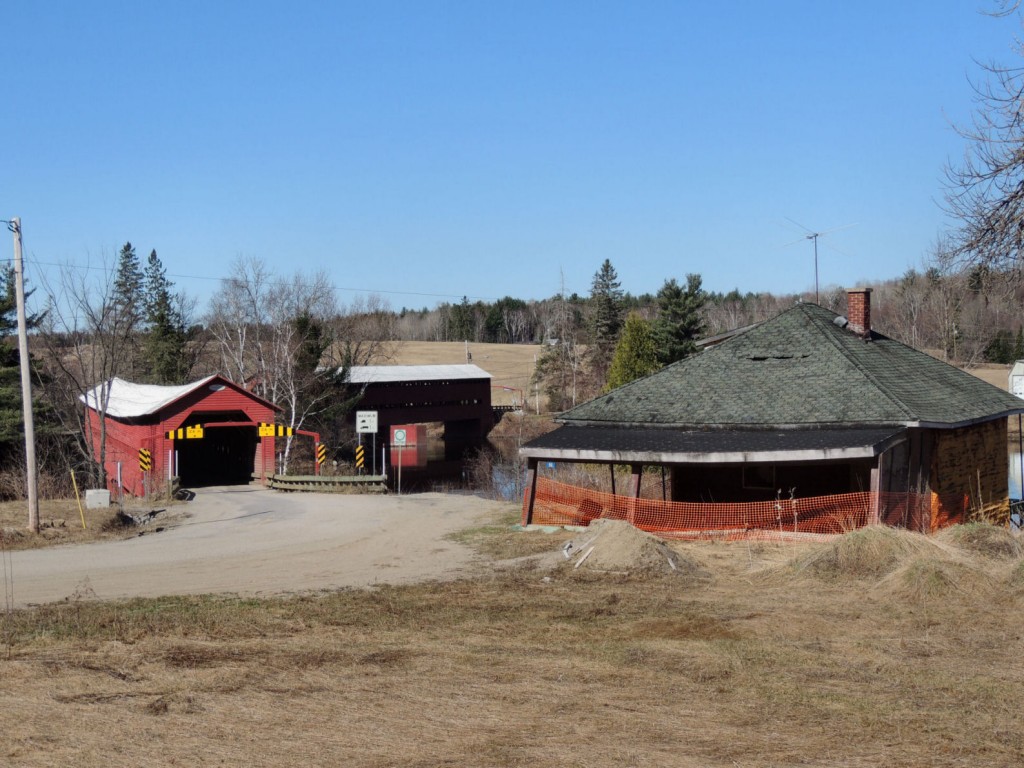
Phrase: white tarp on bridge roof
x=130 y=401
x=387 y=374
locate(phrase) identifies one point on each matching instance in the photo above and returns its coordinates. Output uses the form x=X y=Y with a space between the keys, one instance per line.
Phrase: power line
x=280 y=282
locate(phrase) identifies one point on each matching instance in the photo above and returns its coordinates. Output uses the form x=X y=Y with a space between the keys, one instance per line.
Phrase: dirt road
x=252 y=541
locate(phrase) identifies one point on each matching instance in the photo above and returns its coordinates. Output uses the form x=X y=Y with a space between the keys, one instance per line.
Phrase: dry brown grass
x=870 y=552
x=528 y=667
x=60 y=522
x=982 y=539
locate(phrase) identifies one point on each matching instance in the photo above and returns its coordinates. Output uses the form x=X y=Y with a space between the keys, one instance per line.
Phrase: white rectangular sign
x=366 y=422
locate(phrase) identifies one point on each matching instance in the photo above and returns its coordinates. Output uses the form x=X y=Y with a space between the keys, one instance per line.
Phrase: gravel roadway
x=253 y=541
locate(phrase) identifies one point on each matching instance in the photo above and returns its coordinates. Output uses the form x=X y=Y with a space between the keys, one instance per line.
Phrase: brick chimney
x=858 y=311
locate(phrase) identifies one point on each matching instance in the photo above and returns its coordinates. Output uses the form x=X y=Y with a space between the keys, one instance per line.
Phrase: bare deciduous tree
x=88 y=336
x=985 y=190
x=270 y=332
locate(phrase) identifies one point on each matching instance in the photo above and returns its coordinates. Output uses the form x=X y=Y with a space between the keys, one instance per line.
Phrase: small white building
x=1016 y=384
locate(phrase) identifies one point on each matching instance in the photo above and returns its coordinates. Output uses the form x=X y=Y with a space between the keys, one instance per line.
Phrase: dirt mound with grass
x=617 y=546
x=927 y=577
x=983 y=539
x=867 y=553
x=1016 y=578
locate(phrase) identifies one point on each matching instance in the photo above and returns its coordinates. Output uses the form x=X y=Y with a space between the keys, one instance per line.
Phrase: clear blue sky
x=429 y=150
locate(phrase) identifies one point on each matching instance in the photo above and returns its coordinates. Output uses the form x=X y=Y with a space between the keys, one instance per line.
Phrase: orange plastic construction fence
x=561 y=504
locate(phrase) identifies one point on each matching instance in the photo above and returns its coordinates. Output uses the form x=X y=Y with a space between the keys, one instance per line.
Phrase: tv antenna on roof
x=811 y=235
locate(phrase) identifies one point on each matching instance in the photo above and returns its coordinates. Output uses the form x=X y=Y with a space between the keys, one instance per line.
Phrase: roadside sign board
x=274 y=430
x=194 y=432
x=366 y=422
x=398 y=437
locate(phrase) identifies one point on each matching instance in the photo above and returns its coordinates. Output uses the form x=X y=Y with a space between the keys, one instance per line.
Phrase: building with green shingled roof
x=808 y=403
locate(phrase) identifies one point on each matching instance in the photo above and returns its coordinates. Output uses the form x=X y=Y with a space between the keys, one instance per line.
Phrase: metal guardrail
x=328 y=484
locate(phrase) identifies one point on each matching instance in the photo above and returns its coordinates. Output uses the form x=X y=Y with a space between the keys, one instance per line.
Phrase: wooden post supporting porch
x=531 y=490
x=634 y=491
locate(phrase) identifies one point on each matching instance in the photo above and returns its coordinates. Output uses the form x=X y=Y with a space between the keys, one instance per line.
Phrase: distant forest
x=965 y=319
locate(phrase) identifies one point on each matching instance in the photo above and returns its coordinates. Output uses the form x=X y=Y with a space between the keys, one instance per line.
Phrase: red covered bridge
x=137 y=417
x=458 y=396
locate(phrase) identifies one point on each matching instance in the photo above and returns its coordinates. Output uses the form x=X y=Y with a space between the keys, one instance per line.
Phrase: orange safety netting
x=561 y=504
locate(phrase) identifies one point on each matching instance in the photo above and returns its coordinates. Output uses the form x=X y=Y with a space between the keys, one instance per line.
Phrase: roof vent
x=841 y=321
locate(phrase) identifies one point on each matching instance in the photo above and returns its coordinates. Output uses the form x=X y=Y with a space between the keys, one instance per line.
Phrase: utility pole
x=814 y=236
x=26 y=381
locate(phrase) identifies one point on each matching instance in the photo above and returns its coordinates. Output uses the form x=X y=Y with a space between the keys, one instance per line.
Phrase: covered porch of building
x=793 y=480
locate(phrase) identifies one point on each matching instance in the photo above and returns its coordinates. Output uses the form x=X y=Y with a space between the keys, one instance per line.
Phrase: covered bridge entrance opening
x=225 y=455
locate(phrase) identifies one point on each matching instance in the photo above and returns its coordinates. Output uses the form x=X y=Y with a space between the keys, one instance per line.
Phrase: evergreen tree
x=126 y=311
x=679 y=322
x=606 y=300
x=635 y=355
x=128 y=298
x=165 y=338
x=11 y=415
x=1018 y=346
x=461 y=328
x=10 y=367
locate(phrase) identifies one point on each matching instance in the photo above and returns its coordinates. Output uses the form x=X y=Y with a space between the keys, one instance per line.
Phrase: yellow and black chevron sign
x=360 y=456
x=145 y=460
x=186 y=433
x=321 y=453
x=275 y=430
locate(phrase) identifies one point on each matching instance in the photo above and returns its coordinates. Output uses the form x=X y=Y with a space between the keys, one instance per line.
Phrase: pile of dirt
x=989 y=541
x=615 y=545
x=867 y=553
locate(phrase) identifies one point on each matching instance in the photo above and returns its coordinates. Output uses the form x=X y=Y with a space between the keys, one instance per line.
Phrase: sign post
x=366 y=423
x=145 y=466
x=399 y=438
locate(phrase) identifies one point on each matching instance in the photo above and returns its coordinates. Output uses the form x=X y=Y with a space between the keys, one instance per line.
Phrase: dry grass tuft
x=694 y=627
x=867 y=553
x=990 y=541
x=927 y=578
x=1016 y=577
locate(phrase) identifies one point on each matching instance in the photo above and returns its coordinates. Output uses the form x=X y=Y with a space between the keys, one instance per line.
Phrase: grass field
x=886 y=649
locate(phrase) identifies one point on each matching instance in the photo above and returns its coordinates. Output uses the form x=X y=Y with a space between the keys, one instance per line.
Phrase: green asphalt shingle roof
x=801 y=369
